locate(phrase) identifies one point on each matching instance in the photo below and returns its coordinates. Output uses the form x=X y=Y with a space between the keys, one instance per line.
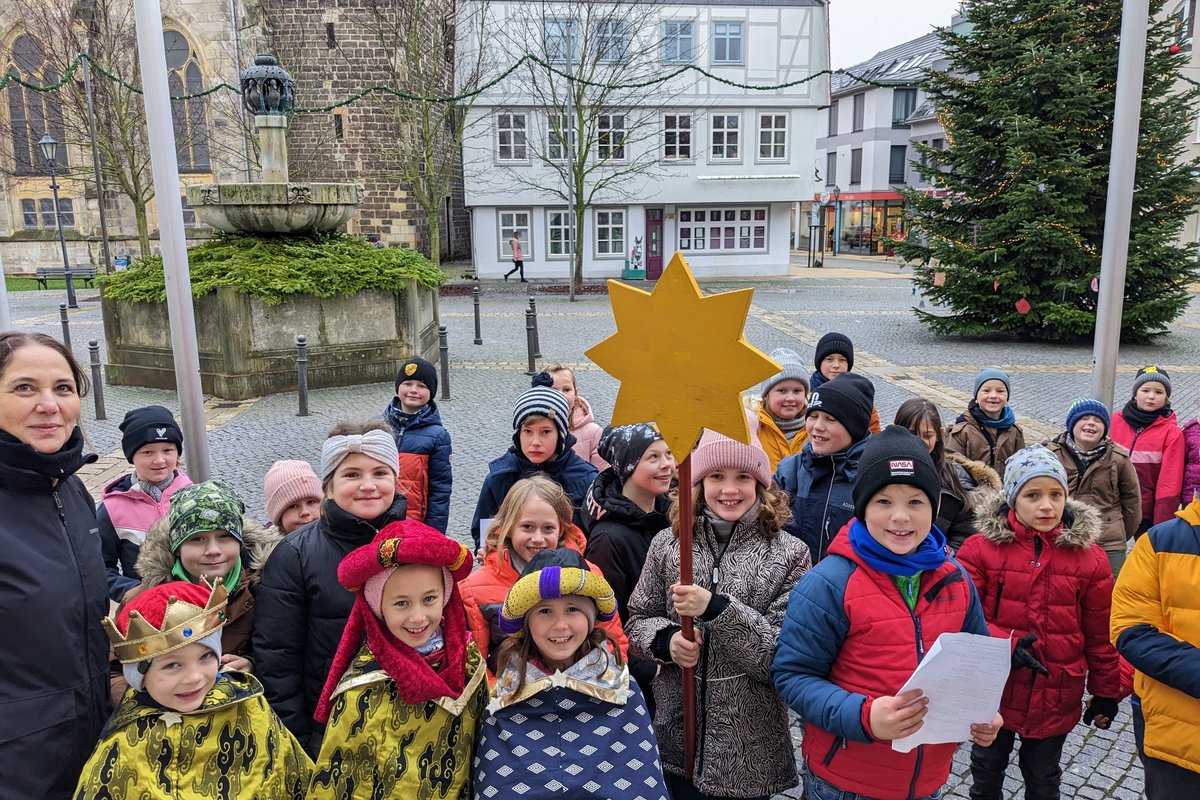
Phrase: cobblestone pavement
x=868 y=300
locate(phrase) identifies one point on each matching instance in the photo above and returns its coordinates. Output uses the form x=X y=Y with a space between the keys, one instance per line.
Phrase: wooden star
x=682 y=358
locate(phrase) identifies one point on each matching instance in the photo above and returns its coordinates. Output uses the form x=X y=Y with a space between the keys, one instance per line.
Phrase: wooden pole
x=685 y=577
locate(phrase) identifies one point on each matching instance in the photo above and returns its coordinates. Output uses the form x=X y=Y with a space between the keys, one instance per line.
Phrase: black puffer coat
x=619 y=538
x=53 y=594
x=301 y=611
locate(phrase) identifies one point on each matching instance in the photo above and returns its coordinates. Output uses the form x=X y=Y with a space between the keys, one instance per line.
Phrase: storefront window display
x=868 y=227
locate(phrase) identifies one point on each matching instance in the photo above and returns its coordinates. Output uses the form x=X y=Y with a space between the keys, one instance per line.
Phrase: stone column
x=272 y=139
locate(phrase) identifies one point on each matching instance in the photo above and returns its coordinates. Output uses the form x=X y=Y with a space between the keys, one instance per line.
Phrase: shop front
x=866 y=223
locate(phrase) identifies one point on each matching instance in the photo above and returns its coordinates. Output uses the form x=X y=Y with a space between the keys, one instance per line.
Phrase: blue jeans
x=820 y=789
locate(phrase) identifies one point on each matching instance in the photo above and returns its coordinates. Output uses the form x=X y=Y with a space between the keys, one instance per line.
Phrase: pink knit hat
x=289 y=482
x=720 y=452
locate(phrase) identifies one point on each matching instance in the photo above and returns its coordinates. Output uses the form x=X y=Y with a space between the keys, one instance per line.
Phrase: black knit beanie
x=832 y=343
x=149 y=425
x=848 y=398
x=891 y=457
x=418 y=369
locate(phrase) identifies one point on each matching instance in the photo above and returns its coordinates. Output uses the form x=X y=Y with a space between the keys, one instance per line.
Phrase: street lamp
x=49 y=151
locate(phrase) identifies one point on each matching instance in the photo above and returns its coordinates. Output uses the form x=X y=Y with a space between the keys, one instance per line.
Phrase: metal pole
x=66 y=324
x=537 y=344
x=475 y=298
x=532 y=369
x=444 y=361
x=97 y=378
x=159 y=126
x=87 y=90
x=302 y=373
x=5 y=309
x=62 y=238
x=570 y=132
x=1119 y=207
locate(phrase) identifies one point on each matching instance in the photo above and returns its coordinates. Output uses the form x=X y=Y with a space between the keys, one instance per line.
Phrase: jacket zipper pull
x=716 y=576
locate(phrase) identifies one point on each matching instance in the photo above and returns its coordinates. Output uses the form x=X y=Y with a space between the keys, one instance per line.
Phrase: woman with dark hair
x=960 y=476
x=53 y=585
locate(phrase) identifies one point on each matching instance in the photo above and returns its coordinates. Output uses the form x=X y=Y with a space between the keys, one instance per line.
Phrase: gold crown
x=183 y=623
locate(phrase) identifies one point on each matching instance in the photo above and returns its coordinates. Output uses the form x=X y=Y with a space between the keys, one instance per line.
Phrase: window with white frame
x=189 y=213
x=721 y=229
x=40 y=213
x=833 y=119
x=612 y=40
x=677 y=137
x=724 y=130
x=610 y=232
x=859 y=111
x=904 y=103
x=1184 y=16
x=558 y=133
x=610 y=137
x=558 y=233
x=515 y=221
x=772 y=137
x=679 y=41
x=511 y=138
x=856 y=166
x=558 y=35
x=831 y=168
x=727 y=45
x=29 y=213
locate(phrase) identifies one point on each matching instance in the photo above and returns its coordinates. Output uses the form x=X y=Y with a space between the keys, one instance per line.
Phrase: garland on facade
x=9 y=78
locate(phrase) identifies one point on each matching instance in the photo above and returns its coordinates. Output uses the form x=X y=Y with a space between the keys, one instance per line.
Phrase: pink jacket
x=587 y=434
x=1191 y=463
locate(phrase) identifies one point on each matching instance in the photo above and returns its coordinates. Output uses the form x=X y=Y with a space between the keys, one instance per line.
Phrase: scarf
x=1006 y=421
x=42 y=469
x=930 y=554
x=1086 y=457
x=230 y=580
x=155 y=490
x=394 y=415
x=789 y=426
x=1140 y=420
x=434 y=650
x=815 y=380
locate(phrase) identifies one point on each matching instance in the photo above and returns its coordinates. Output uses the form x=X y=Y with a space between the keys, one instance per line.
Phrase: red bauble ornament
x=1174 y=49
x=1022 y=306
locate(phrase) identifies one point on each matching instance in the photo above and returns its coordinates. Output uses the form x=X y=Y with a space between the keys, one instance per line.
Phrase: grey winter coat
x=743 y=746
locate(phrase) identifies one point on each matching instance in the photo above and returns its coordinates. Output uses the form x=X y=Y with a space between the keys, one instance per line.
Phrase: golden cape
x=232 y=747
x=377 y=746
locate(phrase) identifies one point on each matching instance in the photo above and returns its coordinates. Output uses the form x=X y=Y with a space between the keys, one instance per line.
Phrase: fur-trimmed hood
x=156 y=559
x=984 y=477
x=1081 y=522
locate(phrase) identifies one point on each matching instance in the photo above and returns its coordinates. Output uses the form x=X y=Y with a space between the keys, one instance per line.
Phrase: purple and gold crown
x=165 y=618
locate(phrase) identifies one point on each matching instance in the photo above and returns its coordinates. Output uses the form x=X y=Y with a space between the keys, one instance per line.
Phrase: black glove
x=1023 y=656
x=1100 y=707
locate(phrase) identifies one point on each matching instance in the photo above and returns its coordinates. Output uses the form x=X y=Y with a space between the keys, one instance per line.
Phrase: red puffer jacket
x=1059 y=586
x=1157 y=453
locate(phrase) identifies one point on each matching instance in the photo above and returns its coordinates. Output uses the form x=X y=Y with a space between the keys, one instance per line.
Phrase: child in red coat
x=1046 y=585
x=1148 y=429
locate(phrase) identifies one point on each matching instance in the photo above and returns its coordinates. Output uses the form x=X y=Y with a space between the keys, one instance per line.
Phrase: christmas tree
x=1015 y=216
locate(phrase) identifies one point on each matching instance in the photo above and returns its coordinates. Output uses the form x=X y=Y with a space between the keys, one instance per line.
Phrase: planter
x=248 y=348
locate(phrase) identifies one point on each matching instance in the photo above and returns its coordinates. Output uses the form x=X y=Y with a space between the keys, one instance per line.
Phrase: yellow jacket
x=775 y=442
x=1156 y=627
x=232 y=747
x=377 y=746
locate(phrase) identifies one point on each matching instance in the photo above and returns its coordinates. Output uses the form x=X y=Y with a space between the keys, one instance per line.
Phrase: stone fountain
x=247 y=347
x=276 y=205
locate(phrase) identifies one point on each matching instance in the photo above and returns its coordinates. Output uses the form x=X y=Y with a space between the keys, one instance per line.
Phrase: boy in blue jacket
x=820 y=479
x=541 y=444
x=858 y=624
x=425 y=478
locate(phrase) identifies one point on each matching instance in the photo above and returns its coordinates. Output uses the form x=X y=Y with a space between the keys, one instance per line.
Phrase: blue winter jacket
x=821 y=488
x=427 y=479
x=569 y=470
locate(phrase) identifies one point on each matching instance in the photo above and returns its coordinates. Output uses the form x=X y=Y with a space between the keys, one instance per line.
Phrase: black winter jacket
x=53 y=594
x=619 y=538
x=301 y=611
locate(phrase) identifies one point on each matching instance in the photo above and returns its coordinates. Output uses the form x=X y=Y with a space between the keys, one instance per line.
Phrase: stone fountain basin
x=275 y=207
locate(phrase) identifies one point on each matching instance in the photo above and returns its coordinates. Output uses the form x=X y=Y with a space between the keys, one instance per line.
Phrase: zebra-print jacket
x=743 y=747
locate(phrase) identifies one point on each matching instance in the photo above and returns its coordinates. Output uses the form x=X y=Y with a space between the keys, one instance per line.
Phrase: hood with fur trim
x=156 y=559
x=983 y=476
x=1081 y=522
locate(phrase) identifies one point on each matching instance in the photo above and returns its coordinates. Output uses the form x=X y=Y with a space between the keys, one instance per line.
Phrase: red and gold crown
x=165 y=618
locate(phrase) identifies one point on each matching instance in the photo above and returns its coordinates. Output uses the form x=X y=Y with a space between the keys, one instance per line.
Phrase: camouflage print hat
x=208 y=506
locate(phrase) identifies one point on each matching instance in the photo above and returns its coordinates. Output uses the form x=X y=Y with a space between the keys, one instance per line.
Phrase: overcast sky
x=858 y=29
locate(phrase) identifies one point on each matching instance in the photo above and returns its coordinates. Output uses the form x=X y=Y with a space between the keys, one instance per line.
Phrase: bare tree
x=597 y=82
x=424 y=149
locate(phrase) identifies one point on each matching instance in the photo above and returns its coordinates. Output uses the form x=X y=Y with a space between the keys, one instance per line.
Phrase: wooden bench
x=87 y=274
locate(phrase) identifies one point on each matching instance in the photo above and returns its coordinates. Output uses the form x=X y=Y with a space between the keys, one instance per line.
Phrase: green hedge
x=273 y=268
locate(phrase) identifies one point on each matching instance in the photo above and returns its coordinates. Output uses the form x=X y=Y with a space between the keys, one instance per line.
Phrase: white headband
x=376 y=444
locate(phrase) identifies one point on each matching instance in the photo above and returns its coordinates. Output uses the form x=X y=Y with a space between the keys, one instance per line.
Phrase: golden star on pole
x=682 y=358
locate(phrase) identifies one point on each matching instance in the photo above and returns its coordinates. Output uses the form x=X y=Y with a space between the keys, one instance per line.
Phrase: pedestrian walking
x=518 y=257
